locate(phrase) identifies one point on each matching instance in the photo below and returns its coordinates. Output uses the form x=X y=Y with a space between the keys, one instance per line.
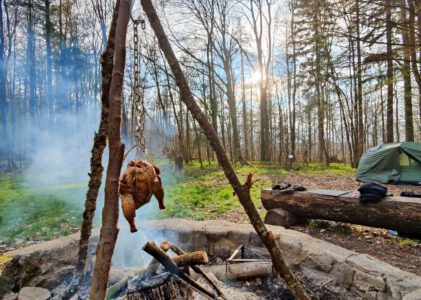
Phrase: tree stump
x=164 y=286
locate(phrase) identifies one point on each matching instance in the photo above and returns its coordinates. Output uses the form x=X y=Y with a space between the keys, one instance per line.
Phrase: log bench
x=402 y=214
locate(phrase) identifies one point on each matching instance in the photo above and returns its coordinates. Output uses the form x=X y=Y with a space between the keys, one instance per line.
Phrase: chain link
x=138 y=99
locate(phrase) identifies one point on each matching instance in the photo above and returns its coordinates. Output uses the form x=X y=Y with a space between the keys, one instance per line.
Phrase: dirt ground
x=379 y=243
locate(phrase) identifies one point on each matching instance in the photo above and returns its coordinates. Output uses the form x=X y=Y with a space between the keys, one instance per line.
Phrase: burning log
x=154 y=264
x=198 y=270
x=184 y=260
x=165 y=286
x=169 y=264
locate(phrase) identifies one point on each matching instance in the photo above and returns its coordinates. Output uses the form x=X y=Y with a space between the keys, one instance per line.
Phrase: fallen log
x=398 y=213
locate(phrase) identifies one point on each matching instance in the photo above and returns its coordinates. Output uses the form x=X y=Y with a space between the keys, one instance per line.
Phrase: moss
x=318 y=224
x=341 y=228
x=5 y=260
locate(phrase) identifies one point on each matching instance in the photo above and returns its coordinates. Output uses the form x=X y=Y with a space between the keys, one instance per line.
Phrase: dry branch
x=109 y=230
x=100 y=142
x=242 y=191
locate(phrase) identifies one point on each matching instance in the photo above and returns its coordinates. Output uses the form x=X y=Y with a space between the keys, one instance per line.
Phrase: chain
x=138 y=99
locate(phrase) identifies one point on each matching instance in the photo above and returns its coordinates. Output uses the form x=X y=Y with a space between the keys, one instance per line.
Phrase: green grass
x=317 y=168
x=202 y=193
x=28 y=213
x=31 y=214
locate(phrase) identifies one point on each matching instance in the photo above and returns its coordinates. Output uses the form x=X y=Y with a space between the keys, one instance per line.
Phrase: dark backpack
x=372 y=193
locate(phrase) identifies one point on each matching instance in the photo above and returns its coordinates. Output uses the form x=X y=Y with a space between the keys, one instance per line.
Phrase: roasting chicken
x=140 y=181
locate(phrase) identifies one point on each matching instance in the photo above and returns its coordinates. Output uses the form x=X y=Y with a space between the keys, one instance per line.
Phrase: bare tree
x=242 y=191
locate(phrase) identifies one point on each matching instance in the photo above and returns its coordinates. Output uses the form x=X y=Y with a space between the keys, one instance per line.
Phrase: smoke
x=60 y=156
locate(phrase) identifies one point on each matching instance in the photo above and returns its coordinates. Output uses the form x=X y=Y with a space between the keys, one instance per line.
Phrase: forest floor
x=29 y=215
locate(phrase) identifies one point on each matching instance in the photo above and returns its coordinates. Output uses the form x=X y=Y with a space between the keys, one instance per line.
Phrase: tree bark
x=389 y=106
x=242 y=191
x=100 y=142
x=243 y=101
x=397 y=213
x=413 y=42
x=49 y=63
x=3 y=76
x=109 y=230
x=406 y=74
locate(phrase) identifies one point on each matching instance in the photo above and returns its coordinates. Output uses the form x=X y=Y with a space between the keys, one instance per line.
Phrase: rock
x=281 y=217
x=31 y=293
x=43 y=264
x=395 y=292
x=343 y=274
x=18 y=242
x=219 y=261
x=366 y=282
x=415 y=295
x=10 y=296
x=321 y=262
x=223 y=248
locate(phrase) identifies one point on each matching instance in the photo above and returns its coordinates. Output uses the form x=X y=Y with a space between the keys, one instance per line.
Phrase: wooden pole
x=242 y=191
x=100 y=142
x=109 y=230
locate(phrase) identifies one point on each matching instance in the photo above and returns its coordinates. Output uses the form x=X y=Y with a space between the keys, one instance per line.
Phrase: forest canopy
x=315 y=81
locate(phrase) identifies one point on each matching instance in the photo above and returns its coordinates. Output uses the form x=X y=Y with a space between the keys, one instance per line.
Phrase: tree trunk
x=243 y=100
x=100 y=142
x=242 y=191
x=3 y=77
x=49 y=64
x=109 y=230
x=406 y=74
x=320 y=98
x=359 y=88
x=31 y=75
x=413 y=42
x=389 y=106
x=397 y=213
x=232 y=106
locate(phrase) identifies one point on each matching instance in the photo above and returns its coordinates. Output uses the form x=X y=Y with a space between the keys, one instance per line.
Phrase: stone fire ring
x=47 y=264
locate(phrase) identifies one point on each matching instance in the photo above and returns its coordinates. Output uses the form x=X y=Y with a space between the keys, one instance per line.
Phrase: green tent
x=391 y=163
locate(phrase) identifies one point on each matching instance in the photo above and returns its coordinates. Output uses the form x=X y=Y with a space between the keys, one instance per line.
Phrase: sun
x=255 y=77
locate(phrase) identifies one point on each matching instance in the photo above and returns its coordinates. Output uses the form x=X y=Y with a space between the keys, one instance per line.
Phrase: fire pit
x=328 y=271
